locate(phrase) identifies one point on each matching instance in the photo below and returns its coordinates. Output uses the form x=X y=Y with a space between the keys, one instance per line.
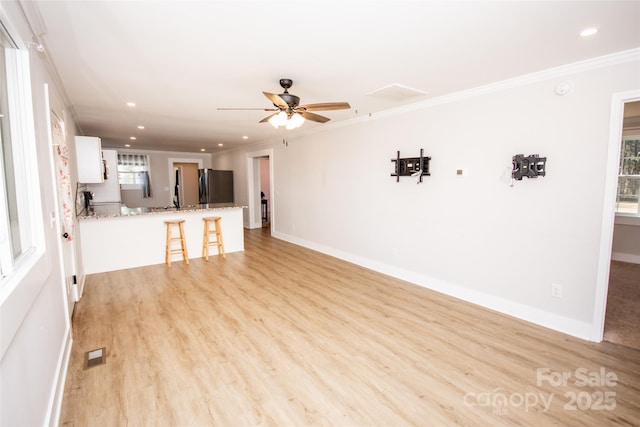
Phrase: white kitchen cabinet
x=89 y=159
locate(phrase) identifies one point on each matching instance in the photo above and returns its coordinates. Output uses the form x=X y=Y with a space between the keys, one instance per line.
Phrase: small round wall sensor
x=564 y=88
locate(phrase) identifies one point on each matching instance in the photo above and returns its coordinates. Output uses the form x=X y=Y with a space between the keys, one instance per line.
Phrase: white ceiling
x=181 y=60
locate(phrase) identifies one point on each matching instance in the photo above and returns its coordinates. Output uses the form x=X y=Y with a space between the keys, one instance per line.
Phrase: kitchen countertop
x=115 y=210
x=118 y=237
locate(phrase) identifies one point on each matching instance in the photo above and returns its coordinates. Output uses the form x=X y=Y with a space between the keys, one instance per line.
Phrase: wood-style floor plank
x=280 y=335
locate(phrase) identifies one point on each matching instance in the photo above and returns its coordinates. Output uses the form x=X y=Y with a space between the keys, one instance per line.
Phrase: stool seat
x=169 y=249
x=217 y=231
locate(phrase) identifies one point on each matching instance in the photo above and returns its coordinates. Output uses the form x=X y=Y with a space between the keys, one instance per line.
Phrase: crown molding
x=609 y=60
x=617 y=58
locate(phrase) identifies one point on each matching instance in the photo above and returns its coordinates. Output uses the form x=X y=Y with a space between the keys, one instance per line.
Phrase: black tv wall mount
x=411 y=166
x=531 y=166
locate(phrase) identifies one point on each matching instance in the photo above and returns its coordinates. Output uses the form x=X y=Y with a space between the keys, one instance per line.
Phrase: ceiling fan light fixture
x=289 y=125
x=296 y=120
x=279 y=119
x=288 y=111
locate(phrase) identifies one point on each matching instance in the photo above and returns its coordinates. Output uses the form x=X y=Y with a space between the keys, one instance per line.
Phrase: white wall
x=235 y=161
x=33 y=367
x=476 y=237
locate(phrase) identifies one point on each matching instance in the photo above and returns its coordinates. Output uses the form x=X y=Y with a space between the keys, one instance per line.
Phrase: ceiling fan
x=288 y=111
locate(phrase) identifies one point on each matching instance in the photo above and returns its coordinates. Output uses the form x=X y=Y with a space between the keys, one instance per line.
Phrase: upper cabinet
x=91 y=166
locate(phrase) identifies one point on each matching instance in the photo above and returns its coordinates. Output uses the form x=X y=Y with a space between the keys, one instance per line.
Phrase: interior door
x=66 y=203
x=188 y=176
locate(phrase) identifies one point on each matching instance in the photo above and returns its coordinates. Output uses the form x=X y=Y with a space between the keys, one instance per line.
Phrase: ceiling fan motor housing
x=291 y=100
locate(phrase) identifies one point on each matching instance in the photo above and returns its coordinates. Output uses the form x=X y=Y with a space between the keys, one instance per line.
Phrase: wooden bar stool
x=170 y=239
x=208 y=232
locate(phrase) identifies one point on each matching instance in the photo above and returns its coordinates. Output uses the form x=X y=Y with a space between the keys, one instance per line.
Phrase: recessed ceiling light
x=133 y=138
x=131 y=104
x=588 y=32
x=140 y=127
x=202 y=149
x=127 y=145
x=245 y=137
x=220 y=145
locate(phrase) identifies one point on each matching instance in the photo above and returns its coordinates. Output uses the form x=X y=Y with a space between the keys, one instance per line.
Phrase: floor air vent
x=95 y=357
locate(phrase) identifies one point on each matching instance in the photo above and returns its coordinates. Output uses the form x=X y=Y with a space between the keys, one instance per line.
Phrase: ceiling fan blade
x=266 y=119
x=243 y=109
x=279 y=102
x=325 y=106
x=314 y=117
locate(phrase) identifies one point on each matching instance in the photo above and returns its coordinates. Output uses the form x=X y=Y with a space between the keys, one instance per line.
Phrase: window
x=628 y=198
x=133 y=169
x=20 y=212
x=133 y=173
x=10 y=213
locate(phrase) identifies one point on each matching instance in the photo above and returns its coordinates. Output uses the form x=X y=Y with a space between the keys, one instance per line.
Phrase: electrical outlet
x=556 y=290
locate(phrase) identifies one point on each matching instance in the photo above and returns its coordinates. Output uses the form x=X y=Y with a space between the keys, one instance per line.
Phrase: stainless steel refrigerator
x=215 y=186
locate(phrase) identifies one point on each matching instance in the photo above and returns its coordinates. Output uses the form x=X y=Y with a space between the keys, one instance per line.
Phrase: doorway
x=187 y=174
x=260 y=180
x=623 y=294
x=265 y=191
x=618 y=102
x=175 y=165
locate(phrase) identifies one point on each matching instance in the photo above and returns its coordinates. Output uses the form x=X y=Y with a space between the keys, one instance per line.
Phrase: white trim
x=83 y=281
x=621 y=256
x=253 y=181
x=623 y=219
x=70 y=299
x=528 y=79
x=520 y=81
x=524 y=80
x=52 y=417
x=19 y=291
x=172 y=175
x=530 y=314
x=609 y=210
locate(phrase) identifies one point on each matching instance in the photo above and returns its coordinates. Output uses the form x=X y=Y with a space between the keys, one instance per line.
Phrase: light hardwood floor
x=280 y=335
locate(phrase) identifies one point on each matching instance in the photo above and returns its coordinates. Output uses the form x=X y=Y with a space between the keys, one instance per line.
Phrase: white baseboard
x=83 y=280
x=533 y=315
x=55 y=400
x=620 y=256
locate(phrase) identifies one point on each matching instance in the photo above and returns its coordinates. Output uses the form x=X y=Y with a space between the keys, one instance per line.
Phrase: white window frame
x=627 y=135
x=23 y=140
x=135 y=186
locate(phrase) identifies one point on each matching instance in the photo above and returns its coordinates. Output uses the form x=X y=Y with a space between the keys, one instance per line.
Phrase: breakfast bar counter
x=114 y=237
